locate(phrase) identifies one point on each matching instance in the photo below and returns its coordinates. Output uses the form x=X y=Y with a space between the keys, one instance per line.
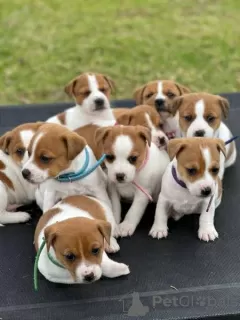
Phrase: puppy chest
x=126 y=191
x=187 y=206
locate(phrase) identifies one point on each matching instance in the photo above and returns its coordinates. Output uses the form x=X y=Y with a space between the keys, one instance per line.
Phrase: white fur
x=149 y=178
x=160 y=94
x=84 y=114
x=26 y=136
x=157 y=133
x=176 y=201
x=53 y=273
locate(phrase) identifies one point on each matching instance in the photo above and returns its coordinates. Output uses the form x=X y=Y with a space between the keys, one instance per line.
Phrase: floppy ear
x=175 y=105
x=182 y=89
x=144 y=133
x=74 y=144
x=125 y=118
x=50 y=234
x=110 y=82
x=102 y=134
x=175 y=146
x=105 y=228
x=224 y=104
x=69 y=88
x=221 y=146
x=138 y=94
x=5 y=141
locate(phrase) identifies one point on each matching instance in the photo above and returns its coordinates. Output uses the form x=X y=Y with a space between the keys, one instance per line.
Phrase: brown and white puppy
x=159 y=94
x=200 y=115
x=91 y=92
x=191 y=185
x=15 y=191
x=134 y=168
x=75 y=230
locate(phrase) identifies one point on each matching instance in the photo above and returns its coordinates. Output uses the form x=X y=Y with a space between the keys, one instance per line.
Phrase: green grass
x=44 y=44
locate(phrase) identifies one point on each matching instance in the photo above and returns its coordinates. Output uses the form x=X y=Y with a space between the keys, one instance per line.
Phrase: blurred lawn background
x=45 y=43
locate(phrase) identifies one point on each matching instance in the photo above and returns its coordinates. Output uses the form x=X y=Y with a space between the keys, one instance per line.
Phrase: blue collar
x=83 y=172
x=231 y=140
x=179 y=182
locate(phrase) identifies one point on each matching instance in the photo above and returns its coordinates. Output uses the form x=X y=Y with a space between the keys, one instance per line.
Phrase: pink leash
x=139 y=169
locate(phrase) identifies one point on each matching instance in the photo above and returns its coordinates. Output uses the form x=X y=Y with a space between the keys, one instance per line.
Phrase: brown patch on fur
x=79 y=87
x=11 y=142
x=189 y=155
x=4 y=178
x=78 y=236
x=59 y=145
x=43 y=221
x=117 y=112
x=140 y=136
x=62 y=117
x=2 y=165
x=216 y=107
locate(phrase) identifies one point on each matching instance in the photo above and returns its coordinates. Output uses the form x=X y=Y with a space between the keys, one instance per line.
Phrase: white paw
x=113 y=247
x=122 y=269
x=208 y=233
x=116 y=231
x=1 y=225
x=159 y=232
x=22 y=216
x=126 y=229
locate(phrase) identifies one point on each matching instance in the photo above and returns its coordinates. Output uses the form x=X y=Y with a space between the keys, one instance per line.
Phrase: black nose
x=99 y=103
x=159 y=104
x=199 y=133
x=89 y=277
x=26 y=174
x=206 y=191
x=120 y=177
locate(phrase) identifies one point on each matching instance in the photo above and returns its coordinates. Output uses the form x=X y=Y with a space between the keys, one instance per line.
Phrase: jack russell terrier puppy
x=61 y=164
x=74 y=231
x=91 y=92
x=140 y=115
x=15 y=191
x=191 y=185
x=200 y=115
x=159 y=94
x=134 y=167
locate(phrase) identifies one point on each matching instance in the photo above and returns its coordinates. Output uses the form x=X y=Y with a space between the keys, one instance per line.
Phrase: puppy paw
x=123 y=269
x=159 y=232
x=208 y=233
x=22 y=216
x=126 y=229
x=116 y=232
x=113 y=247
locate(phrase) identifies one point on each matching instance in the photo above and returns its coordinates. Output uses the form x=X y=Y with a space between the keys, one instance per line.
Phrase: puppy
x=159 y=94
x=147 y=116
x=15 y=191
x=91 y=92
x=55 y=151
x=191 y=185
x=74 y=231
x=134 y=167
x=200 y=115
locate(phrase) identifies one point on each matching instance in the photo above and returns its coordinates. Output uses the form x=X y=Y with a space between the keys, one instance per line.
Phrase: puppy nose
x=26 y=173
x=89 y=277
x=99 y=102
x=206 y=191
x=159 y=103
x=120 y=177
x=199 y=133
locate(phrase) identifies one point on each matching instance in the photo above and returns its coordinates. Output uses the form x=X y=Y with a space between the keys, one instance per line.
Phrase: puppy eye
x=132 y=159
x=102 y=90
x=191 y=171
x=87 y=93
x=188 y=118
x=210 y=119
x=215 y=170
x=20 y=151
x=110 y=157
x=171 y=95
x=149 y=95
x=95 y=251
x=70 y=256
x=45 y=159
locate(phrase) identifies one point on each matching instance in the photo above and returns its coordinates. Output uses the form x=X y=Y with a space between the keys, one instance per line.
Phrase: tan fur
x=62 y=118
x=4 y=178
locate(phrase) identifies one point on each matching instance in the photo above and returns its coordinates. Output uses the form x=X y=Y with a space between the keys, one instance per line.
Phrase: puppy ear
x=5 y=141
x=50 y=234
x=110 y=82
x=74 y=144
x=105 y=229
x=144 y=133
x=221 y=146
x=175 y=146
x=175 y=105
x=69 y=88
x=102 y=134
x=125 y=118
x=224 y=104
x=138 y=94
x=182 y=89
